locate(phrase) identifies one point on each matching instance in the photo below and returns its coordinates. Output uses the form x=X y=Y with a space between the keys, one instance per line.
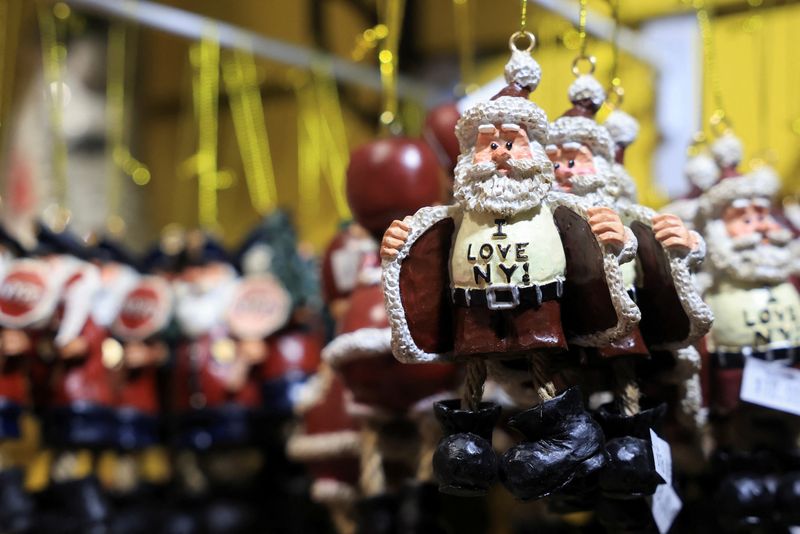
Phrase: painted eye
x=494 y=146
x=509 y=144
x=571 y=163
x=556 y=165
x=748 y=220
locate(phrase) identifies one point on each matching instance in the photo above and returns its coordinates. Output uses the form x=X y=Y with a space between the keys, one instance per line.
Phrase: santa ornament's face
x=504 y=174
x=748 y=244
x=750 y=217
x=570 y=162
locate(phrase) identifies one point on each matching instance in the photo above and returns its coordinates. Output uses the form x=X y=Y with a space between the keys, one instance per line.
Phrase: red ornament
x=390 y=178
x=439 y=133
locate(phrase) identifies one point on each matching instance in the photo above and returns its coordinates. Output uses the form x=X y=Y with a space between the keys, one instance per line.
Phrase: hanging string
x=335 y=154
x=616 y=92
x=9 y=39
x=308 y=150
x=718 y=119
x=205 y=58
x=582 y=56
x=582 y=27
x=392 y=17
x=247 y=110
x=464 y=27
x=54 y=55
x=523 y=19
x=119 y=69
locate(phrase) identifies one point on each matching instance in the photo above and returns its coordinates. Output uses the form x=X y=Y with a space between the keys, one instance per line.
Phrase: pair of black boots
x=758 y=493
x=564 y=450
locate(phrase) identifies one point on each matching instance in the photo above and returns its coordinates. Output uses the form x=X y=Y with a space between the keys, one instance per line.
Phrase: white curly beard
x=478 y=187
x=601 y=187
x=748 y=258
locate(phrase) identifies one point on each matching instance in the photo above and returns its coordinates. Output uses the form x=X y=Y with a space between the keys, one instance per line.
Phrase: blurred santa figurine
x=757 y=316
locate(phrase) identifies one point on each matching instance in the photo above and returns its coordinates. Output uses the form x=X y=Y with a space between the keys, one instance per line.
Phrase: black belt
x=507 y=296
x=735 y=360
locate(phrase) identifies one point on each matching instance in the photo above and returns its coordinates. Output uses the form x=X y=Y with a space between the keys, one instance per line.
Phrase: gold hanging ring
x=517 y=36
x=576 y=65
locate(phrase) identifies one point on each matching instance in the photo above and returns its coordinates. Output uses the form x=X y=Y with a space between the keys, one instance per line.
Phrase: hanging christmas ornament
x=466 y=281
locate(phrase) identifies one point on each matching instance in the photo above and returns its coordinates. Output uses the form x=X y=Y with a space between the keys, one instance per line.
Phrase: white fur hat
x=509 y=106
x=762 y=182
x=578 y=125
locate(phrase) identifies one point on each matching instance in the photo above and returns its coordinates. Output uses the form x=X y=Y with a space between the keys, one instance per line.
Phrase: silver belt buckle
x=491 y=297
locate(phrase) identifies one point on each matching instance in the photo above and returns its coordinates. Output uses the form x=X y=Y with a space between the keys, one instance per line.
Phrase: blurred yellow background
x=755 y=44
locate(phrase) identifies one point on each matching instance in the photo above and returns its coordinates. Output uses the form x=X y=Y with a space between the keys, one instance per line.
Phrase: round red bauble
x=390 y=178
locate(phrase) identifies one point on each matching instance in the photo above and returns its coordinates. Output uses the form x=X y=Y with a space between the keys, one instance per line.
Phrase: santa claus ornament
x=508 y=271
x=746 y=283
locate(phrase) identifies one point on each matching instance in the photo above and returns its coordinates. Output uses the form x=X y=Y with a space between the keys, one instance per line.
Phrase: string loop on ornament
x=576 y=64
x=513 y=41
x=719 y=122
x=615 y=97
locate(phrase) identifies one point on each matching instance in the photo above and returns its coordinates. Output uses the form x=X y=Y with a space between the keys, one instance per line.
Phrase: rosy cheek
x=521 y=152
x=481 y=156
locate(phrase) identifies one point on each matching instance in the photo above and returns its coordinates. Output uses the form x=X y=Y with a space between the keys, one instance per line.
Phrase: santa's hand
x=672 y=233
x=607 y=226
x=394 y=238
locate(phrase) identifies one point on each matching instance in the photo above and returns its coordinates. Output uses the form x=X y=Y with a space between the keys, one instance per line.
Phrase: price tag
x=662 y=455
x=665 y=505
x=772 y=385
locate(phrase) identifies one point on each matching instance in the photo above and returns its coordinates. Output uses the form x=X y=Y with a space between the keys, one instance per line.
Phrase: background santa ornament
x=528 y=273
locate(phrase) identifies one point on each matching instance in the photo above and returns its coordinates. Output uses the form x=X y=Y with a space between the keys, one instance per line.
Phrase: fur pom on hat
x=510 y=105
x=587 y=92
x=623 y=128
x=727 y=151
x=578 y=125
x=701 y=171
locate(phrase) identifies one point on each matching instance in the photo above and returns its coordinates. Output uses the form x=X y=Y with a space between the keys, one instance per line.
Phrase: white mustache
x=519 y=169
x=780 y=238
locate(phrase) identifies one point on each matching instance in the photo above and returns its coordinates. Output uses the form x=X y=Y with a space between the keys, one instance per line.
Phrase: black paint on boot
x=562 y=443
x=16 y=505
x=631 y=470
x=464 y=462
x=377 y=515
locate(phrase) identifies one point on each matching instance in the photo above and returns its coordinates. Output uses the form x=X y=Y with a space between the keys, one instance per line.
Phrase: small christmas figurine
x=216 y=386
x=21 y=293
x=757 y=316
x=589 y=163
x=508 y=272
x=135 y=354
x=74 y=385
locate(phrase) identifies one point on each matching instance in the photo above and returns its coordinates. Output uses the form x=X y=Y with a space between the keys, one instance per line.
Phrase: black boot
x=788 y=499
x=464 y=461
x=746 y=501
x=420 y=510
x=563 y=443
x=16 y=505
x=631 y=470
x=377 y=515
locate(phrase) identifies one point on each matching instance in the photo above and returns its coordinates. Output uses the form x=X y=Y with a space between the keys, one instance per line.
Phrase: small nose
x=562 y=171
x=501 y=155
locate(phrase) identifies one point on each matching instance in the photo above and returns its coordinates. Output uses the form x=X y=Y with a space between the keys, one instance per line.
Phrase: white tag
x=665 y=505
x=772 y=385
x=662 y=456
x=345 y=264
